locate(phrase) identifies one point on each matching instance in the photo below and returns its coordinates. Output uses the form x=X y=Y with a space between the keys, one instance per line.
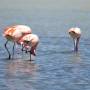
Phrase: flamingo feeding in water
x=75 y=33
x=14 y=33
x=30 y=42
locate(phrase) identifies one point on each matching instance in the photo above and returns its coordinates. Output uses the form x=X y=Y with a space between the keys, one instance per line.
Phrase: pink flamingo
x=75 y=33
x=14 y=33
x=30 y=42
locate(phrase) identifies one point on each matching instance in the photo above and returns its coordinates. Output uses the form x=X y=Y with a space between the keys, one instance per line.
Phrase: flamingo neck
x=20 y=39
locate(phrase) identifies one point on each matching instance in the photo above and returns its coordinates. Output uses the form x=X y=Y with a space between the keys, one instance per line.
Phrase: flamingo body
x=30 y=41
x=75 y=33
x=14 y=33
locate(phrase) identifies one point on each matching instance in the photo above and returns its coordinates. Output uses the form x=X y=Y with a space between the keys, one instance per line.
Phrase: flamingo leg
x=77 y=43
x=22 y=48
x=74 y=41
x=13 y=48
x=7 y=49
x=30 y=55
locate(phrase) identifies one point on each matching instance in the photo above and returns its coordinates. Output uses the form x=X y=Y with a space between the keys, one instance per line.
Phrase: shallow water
x=56 y=66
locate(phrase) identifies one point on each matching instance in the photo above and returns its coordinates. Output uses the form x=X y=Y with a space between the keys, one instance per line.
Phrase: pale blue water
x=56 y=66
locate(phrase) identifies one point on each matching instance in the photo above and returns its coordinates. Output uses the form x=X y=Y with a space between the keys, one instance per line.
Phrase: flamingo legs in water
x=9 y=57
x=76 y=42
x=7 y=49
x=30 y=55
x=13 y=48
x=26 y=51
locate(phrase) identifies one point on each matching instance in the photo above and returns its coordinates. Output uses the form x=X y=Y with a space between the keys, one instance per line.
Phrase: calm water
x=56 y=66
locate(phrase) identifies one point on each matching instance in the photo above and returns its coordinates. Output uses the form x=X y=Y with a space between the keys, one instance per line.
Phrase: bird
x=75 y=33
x=14 y=33
x=30 y=43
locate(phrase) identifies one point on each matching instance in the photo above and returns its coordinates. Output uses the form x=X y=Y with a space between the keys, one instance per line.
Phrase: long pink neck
x=20 y=39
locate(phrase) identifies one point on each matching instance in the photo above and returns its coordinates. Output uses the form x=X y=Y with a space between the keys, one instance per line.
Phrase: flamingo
x=75 y=33
x=14 y=33
x=30 y=42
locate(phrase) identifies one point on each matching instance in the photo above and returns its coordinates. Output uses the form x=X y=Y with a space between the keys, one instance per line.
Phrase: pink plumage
x=14 y=33
x=75 y=33
x=30 y=41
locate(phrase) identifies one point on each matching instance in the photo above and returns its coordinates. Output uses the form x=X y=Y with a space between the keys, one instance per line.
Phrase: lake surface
x=56 y=66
